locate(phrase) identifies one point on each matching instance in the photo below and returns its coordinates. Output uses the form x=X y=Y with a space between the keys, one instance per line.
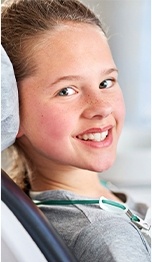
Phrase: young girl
x=71 y=116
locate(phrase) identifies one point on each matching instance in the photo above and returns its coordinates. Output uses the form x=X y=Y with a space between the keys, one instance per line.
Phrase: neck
x=78 y=181
x=81 y=182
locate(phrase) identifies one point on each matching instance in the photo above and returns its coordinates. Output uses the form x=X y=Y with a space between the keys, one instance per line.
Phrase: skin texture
x=76 y=57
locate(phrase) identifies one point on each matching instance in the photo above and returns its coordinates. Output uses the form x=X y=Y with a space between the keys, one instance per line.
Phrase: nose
x=97 y=108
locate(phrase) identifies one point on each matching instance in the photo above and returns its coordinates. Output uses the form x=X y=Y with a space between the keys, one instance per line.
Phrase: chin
x=103 y=165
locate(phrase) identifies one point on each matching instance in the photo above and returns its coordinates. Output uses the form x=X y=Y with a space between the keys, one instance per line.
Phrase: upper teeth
x=94 y=136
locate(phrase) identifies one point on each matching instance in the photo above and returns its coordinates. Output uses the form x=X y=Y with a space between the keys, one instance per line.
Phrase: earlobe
x=20 y=132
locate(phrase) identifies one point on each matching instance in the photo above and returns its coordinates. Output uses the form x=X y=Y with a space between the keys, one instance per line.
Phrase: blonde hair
x=22 y=22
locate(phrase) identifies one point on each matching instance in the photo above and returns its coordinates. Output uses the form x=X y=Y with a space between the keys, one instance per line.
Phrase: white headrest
x=9 y=102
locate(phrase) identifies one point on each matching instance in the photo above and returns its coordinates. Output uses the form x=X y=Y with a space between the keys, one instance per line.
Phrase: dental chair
x=26 y=234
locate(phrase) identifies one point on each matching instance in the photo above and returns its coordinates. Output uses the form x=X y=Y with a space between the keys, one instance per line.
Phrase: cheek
x=56 y=122
x=119 y=110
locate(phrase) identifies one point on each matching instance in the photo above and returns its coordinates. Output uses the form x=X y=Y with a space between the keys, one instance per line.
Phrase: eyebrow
x=75 y=77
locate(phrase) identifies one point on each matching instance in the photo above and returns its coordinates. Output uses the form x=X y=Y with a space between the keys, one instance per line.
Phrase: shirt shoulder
x=113 y=240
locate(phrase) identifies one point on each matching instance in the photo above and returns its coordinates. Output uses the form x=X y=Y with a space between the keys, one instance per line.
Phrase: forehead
x=70 y=37
x=72 y=46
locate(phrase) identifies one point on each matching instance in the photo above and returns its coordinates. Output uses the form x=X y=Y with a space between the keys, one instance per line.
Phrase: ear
x=20 y=132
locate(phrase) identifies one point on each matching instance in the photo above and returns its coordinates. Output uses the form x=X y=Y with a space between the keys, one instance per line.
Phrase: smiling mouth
x=98 y=137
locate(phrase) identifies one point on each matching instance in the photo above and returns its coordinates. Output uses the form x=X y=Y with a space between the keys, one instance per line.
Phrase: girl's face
x=72 y=108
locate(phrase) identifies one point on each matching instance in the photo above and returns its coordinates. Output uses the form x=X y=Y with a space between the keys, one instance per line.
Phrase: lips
x=97 y=137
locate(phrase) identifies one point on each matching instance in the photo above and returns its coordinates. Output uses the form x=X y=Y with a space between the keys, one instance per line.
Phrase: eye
x=106 y=83
x=67 y=91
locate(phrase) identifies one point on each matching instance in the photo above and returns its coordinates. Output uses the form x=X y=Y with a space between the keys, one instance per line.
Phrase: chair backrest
x=42 y=240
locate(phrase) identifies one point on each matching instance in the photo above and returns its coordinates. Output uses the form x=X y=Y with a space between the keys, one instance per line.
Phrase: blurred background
x=128 y=24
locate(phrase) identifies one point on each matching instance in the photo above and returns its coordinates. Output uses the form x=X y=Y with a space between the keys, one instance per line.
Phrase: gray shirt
x=94 y=234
